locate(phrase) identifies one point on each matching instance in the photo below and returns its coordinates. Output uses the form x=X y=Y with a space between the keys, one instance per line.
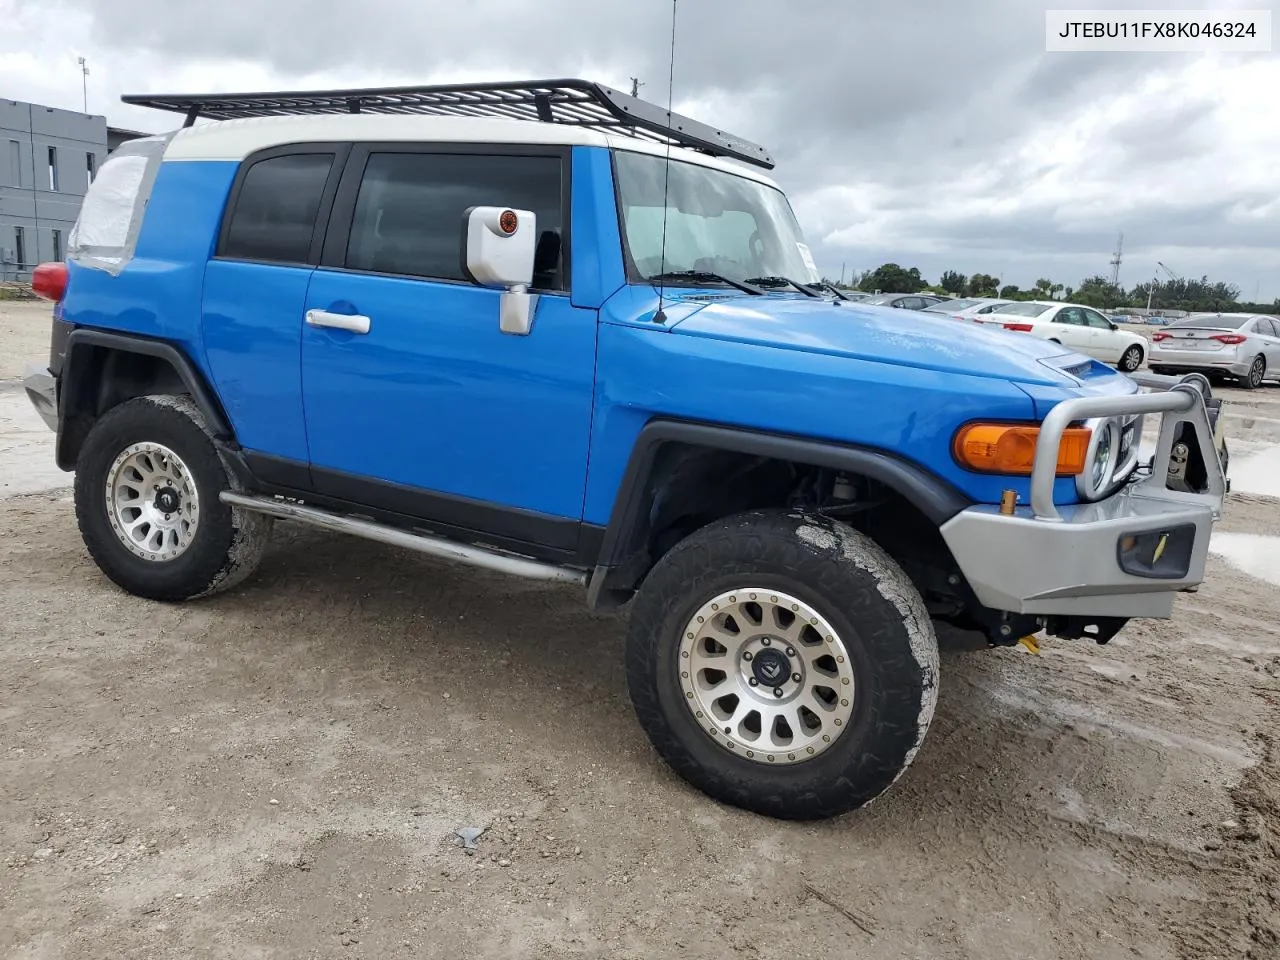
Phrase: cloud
x=937 y=133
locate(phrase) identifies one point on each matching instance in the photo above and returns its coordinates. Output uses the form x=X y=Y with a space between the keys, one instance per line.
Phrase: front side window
x=408 y=217
x=715 y=221
x=275 y=211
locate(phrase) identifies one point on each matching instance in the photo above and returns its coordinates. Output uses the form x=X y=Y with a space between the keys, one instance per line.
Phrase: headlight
x=1110 y=453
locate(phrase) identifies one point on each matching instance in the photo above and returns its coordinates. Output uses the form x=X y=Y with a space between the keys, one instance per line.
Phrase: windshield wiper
x=704 y=276
x=829 y=287
x=782 y=282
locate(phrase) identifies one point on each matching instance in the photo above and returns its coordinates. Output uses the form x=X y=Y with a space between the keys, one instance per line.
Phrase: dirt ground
x=279 y=771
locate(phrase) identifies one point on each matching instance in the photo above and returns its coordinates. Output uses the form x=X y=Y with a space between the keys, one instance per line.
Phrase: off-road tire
x=866 y=598
x=228 y=542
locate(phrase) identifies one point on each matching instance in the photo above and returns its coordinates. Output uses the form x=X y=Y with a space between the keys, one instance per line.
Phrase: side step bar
x=421 y=542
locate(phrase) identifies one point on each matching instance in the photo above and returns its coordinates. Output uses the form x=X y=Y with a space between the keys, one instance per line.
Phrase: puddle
x=1257 y=473
x=1253 y=553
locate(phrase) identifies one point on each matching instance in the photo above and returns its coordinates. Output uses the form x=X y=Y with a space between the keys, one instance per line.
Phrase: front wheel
x=783 y=663
x=147 y=488
x=1132 y=359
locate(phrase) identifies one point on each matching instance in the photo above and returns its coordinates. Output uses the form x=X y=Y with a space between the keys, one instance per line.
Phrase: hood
x=887 y=335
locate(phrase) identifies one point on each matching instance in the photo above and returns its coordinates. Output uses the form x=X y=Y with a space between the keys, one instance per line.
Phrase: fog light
x=1157 y=554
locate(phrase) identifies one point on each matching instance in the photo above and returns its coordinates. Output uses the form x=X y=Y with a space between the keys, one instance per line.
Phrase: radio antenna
x=660 y=316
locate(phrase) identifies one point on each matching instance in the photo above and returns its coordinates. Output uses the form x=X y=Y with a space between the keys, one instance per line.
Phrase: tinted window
x=1269 y=327
x=1097 y=320
x=1072 y=316
x=408 y=215
x=276 y=209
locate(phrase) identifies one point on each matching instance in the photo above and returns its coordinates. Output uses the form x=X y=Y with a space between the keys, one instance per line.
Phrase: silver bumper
x=42 y=390
x=1125 y=556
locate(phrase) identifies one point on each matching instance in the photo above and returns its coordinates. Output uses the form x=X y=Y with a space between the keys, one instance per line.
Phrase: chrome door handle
x=338 y=321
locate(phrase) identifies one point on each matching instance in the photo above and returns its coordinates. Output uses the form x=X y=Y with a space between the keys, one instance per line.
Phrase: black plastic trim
x=342 y=213
x=72 y=380
x=932 y=496
x=535 y=535
x=337 y=150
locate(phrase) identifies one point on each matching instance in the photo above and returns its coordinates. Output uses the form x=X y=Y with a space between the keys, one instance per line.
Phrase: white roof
x=236 y=139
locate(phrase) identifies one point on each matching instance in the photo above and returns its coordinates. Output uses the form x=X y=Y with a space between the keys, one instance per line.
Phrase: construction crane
x=1172 y=276
x=1115 y=262
x=1156 y=280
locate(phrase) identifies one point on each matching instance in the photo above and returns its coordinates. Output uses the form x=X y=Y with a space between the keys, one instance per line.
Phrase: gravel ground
x=279 y=771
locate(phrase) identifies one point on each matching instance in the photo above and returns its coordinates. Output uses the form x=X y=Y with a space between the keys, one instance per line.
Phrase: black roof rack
x=580 y=103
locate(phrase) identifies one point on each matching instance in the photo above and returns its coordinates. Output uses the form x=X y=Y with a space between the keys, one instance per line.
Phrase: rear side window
x=408 y=217
x=106 y=231
x=274 y=212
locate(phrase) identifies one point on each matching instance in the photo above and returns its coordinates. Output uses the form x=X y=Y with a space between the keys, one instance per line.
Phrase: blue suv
x=556 y=331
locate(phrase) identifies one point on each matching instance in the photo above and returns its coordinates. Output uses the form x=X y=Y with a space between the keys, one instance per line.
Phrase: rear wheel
x=1132 y=359
x=147 y=490
x=1257 y=371
x=783 y=663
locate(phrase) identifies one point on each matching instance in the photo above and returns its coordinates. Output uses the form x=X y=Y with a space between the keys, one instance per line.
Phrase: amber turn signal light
x=1011 y=448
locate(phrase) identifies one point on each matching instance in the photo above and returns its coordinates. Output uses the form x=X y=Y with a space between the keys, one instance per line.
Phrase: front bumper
x=1122 y=557
x=42 y=390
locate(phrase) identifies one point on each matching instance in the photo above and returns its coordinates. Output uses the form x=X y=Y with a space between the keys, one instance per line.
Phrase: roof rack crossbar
x=572 y=102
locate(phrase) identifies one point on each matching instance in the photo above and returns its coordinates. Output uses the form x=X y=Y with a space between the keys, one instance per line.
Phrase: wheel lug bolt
x=747 y=655
x=795 y=677
x=791 y=651
x=754 y=682
x=777 y=691
x=766 y=641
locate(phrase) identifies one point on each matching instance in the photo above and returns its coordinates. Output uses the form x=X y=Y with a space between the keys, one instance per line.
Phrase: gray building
x=48 y=157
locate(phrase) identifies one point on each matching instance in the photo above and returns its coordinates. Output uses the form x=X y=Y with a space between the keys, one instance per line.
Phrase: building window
x=20 y=246
x=53 y=169
x=57 y=246
x=91 y=163
x=15 y=163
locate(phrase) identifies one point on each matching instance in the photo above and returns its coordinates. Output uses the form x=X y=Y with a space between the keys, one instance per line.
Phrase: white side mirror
x=500 y=247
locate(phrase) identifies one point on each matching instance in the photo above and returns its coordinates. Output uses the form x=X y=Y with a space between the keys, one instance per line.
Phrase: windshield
x=1213 y=321
x=1022 y=309
x=717 y=222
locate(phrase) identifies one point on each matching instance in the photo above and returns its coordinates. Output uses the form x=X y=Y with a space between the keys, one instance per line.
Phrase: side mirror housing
x=499 y=253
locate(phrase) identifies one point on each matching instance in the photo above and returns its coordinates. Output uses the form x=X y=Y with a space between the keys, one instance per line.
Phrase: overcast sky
x=933 y=133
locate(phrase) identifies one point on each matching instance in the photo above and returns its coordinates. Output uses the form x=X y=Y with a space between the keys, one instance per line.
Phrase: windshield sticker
x=807 y=257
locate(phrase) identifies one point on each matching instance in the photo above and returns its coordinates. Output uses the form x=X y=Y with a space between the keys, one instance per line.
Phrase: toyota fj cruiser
x=556 y=331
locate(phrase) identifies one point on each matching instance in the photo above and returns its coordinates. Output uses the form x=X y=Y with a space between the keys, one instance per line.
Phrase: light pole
x=84 y=82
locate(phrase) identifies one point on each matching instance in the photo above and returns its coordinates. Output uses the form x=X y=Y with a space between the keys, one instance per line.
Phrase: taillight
x=1229 y=338
x=1157 y=337
x=49 y=280
x=1023 y=327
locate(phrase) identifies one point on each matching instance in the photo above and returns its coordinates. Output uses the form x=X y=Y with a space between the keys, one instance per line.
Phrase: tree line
x=1192 y=296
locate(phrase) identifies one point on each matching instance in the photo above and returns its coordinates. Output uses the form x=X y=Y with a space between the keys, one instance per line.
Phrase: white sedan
x=1244 y=345
x=1072 y=325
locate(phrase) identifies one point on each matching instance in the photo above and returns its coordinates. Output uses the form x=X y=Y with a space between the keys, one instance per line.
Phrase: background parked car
x=967 y=308
x=903 y=301
x=1072 y=325
x=1244 y=345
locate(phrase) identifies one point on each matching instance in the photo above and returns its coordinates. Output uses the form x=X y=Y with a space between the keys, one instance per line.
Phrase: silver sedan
x=1243 y=345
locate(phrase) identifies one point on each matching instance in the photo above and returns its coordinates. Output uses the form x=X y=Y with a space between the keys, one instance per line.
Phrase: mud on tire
x=181 y=561
x=850 y=586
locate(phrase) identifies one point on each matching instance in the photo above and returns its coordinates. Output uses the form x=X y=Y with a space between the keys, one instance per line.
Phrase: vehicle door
x=1269 y=332
x=1068 y=327
x=421 y=404
x=254 y=289
x=1106 y=342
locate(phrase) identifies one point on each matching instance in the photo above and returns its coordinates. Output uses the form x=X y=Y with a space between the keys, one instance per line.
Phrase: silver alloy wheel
x=1256 y=371
x=152 y=501
x=1132 y=358
x=766 y=676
